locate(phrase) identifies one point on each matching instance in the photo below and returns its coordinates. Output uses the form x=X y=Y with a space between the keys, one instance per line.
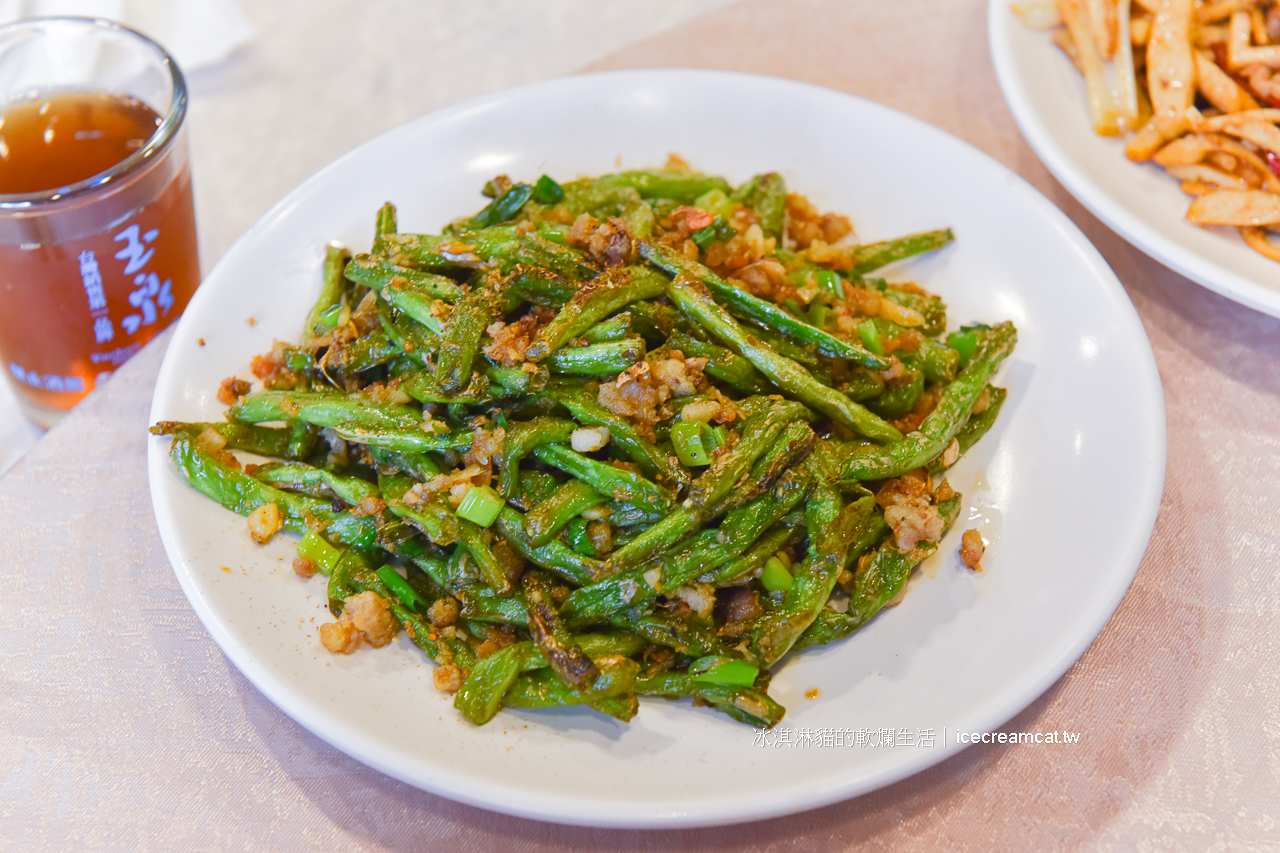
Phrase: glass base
x=43 y=416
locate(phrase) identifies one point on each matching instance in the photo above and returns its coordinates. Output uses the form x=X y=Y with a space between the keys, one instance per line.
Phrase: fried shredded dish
x=1193 y=86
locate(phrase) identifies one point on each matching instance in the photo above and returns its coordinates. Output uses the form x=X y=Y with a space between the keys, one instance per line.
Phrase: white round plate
x=1065 y=488
x=1139 y=201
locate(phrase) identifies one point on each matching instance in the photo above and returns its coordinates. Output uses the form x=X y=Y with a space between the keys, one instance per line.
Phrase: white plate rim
x=548 y=807
x=1103 y=204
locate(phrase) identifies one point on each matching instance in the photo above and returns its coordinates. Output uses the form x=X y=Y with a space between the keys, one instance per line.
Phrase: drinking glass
x=92 y=269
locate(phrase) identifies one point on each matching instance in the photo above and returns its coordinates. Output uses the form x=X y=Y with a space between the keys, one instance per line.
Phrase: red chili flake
x=1273 y=160
x=696 y=217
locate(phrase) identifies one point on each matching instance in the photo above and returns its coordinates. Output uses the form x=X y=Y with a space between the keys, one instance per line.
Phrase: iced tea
x=97 y=229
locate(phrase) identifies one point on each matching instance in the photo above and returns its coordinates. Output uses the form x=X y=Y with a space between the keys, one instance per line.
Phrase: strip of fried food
x=1038 y=14
x=1102 y=107
x=1224 y=153
x=1262 y=134
x=1126 y=74
x=1171 y=67
x=1102 y=25
x=1211 y=12
x=1240 y=48
x=1259 y=242
x=1236 y=207
x=1225 y=121
x=1151 y=137
x=1219 y=88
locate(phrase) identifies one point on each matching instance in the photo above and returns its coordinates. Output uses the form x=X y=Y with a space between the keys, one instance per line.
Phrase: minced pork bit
x=909 y=511
x=641 y=389
x=511 y=341
x=372 y=616
x=341 y=637
x=231 y=390
x=365 y=616
x=972 y=548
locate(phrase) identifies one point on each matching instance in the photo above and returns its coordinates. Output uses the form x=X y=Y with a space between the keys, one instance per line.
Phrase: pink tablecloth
x=123 y=726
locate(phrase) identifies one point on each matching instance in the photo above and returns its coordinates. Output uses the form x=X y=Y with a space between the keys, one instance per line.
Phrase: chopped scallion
x=313 y=547
x=775 y=576
x=870 y=336
x=963 y=342
x=686 y=438
x=480 y=505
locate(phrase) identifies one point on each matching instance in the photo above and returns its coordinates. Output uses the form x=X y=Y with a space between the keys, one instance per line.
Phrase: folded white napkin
x=197 y=33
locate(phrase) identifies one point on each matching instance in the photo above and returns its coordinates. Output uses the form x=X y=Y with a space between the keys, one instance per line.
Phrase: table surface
x=122 y=726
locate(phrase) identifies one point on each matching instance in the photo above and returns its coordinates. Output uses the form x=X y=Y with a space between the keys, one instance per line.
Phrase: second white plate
x=1066 y=487
x=1139 y=201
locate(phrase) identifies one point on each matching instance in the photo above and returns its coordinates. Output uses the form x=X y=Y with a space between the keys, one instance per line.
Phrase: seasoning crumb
x=252 y=321
x=200 y=341
x=972 y=548
x=226 y=568
x=812 y=693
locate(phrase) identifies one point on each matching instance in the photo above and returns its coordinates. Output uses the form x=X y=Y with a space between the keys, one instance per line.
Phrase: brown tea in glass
x=97 y=229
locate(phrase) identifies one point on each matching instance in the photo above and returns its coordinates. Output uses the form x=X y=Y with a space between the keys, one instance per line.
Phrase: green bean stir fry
x=640 y=434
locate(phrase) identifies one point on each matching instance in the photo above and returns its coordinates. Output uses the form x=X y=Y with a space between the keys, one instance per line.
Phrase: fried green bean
x=935 y=433
x=744 y=704
x=604 y=295
x=771 y=542
x=665 y=183
x=766 y=195
x=606 y=359
x=408 y=440
x=766 y=313
x=615 y=328
x=563 y=655
x=664 y=628
x=543 y=286
x=699 y=553
x=543 y=689
x=705 y=493
x=554 y=556
x=622 y=432
x=520 y=440
x=694 y=300
x=315 y=481
x=243 y=494
x=376 y=274
x=363 y=353
x=872 y=256
x=481 y=694
x=431 y=516
x=460 y=340
x=326 y=313
x=323 y=409
x=723 y=364
x=546 y=519
x=430 y=252
x=606 y=479
x=294 y=442
x=975 y=427
x=506 y=247
x=832 y=529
